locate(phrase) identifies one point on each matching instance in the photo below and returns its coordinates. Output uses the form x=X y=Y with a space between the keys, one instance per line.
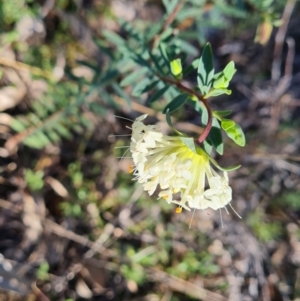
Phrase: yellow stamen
x=179 y=209
x=130 y=168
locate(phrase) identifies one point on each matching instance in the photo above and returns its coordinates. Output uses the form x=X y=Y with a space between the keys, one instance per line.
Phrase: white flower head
x=168 y=163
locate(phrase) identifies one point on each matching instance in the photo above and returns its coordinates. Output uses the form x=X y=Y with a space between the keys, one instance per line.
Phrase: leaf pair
x=209 y=83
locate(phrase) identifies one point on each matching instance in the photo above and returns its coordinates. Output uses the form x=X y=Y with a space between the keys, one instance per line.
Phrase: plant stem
x=182 y=87
x=168 y=22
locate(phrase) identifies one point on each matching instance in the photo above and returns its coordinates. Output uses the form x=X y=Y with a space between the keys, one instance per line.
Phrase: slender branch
x=172 y=16
x=7 y=62
x=168 y=22
x=279 y=39
x=182 y=87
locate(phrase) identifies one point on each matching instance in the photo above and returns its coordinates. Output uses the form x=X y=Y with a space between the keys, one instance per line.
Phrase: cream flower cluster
x=165 y=161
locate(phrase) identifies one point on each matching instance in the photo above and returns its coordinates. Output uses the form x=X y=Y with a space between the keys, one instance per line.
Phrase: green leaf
x=109 y=76
x=188 y=47
x=158 y=94
x=231 y=168
x=130 y=29
x=163 y=51
x=226 y=124
x=132 y=77
x=189 y=142
x=205 y=70
x=140 y=60
x=121 y=93
x=160 y=63
x=18 y=125
x=222 y=113
x=169 y=5
x=140 y=87
x=37 y=140
x=219 y=82
x=150 y=86
x=169 y=122
x=113 y=37
x=176 y=103
x=207 y=146
x=216 y=92
x=215 y=136
x=54 y=137
x=229 y=71
x=236 y=134
x=200 y=108
x=108 y=98
x=222 y=79
x=62 y=131
x=191 y=67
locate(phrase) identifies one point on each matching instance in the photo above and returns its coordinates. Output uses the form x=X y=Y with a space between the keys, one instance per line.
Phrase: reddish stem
x=182 y=87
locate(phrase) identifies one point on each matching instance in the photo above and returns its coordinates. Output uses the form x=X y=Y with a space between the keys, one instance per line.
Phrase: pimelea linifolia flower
x=184 y=177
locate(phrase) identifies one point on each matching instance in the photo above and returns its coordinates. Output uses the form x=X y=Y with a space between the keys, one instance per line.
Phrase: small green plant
x=133 y=272
x=43 y=271
x=34 y=179
x=193 y=263
x=265 y=231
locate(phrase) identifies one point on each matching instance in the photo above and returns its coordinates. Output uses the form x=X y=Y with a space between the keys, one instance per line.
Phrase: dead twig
x=279 y=39
x=24 y=67
x=183 y=286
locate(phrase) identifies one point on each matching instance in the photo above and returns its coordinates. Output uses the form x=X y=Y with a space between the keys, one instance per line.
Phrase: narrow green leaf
x=201 y=109
x=140 y=87
x=18 y=125
x=229 y=71
x=108 y=98
x=205 y=70
x=113 y=37
x=158 y=94
x=109 y=76
x=231 y=168
x=169 y=5
x=140 y=60
x=160 y=63
x=191 y=67
x=223 y=113
x=101 y=44
x=97 y=108
x=166 y=34
x=217 y=92
x=54 y=137
x=215 y=136
x=130 y=29
x=236 y=134
x=62 y=131
x=207 y=146
x=163 y=50
x=189 y=142
x=169 y=122
x=176 y=103
x=152 y=30
x=133 y=77
x=89 y=64
x=121 y=93
x=37 y=140
x=150 y=86
x=188 y=47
